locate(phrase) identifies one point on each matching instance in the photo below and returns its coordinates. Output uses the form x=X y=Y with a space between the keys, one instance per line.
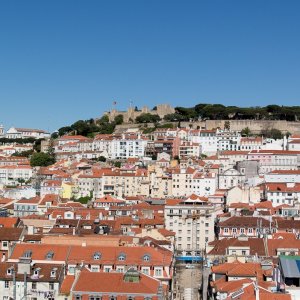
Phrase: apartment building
x=271 y=160
x=283 y=193
x=192 y=220
x=9 y=175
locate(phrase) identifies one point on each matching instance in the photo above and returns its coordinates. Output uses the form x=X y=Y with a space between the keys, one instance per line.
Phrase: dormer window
x=53 y=273
x=146 y=257
x=9 y=271
x=97 y=255
x=122 y=257
x=36 y=272
x=28 y=254
x=49 y=255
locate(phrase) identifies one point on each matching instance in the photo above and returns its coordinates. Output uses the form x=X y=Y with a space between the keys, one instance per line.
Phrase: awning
x=189 y=258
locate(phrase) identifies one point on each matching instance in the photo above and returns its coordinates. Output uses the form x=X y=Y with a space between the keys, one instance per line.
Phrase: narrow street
x=187 y=281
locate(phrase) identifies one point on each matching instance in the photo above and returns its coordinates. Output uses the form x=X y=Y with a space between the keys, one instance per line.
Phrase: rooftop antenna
x=130 y=103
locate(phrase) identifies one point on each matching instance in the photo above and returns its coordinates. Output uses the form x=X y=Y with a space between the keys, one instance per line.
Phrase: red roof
x=89 y=282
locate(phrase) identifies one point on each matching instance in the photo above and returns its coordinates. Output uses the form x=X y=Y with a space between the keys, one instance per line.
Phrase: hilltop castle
x=130 y=115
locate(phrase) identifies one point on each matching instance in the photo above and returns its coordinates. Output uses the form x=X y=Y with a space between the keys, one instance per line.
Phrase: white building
x=251 y=143
x=127 y=146
x=230 y=178
x=189 y=149
x=208 y=141
x=193 y=222
x=283 y=176
x=9 y=175
x=283 y=193
x=22 y=133
x=271 y=160
x=204 y=184
x=90 y=183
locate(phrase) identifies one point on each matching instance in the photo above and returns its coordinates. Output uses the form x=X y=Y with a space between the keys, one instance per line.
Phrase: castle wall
x=256 y=126
x=131 y=114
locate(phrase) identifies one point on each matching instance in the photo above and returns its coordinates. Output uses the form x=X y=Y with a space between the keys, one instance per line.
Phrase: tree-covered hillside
x=222 y=112
x=198 y=112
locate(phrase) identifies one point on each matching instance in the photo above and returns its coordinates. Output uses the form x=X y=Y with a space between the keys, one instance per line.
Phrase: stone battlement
x=130 y=115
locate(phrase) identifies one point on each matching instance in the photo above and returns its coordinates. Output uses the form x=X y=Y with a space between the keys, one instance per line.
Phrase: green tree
x=81 y=127
x=64 y=130
x=103 y=120
x=147 y=118
x=119 y=119
x=272 y=133
x=173 y=117
x=83 y=200
x=23 y=153
x=54 y=135
x=117 y=164
x=227 y=125
x=21 y=181
x=246 y=131
x=41 y=159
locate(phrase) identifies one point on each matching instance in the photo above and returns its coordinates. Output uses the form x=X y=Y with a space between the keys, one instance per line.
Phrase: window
x=28 y=254
x=77 y=297
x=95 y=269
x=97 y=255
x=122 y=257
x=49 y=255
x=95 y=298
x=146 y=257
x=5 y=244
x=6 y=284
x=33 y=285
x=158 y=272
x=51 y=286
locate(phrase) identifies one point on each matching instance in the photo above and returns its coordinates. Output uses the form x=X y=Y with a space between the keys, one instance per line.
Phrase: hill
x=183 y=114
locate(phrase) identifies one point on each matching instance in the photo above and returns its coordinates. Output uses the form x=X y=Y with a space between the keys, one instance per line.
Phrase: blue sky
x=65 y=60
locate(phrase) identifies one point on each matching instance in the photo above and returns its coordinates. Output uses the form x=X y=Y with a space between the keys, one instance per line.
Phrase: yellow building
x=68 y=190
